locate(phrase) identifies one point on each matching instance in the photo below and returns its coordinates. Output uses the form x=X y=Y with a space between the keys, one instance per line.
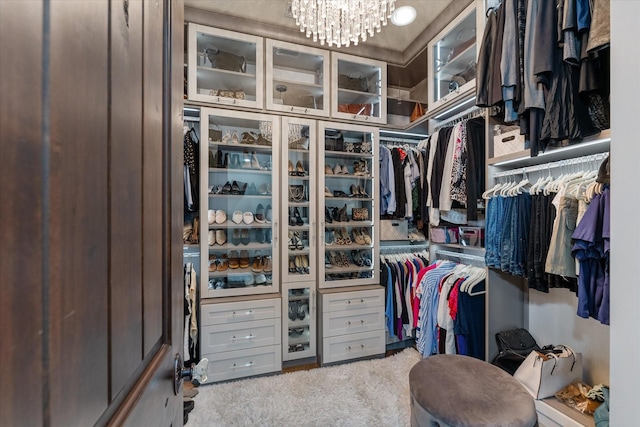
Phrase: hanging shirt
x=387 y=187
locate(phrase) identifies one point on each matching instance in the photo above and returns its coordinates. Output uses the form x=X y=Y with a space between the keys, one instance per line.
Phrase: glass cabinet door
x=348 y=232
x=224 y=67
x=299 y=322
x=359 y=88
x=452 y=57
x=298 y=191
x=297 y=79
x=239 y=196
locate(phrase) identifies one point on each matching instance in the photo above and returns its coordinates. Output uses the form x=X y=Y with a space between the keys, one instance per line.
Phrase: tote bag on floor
x=543 y=374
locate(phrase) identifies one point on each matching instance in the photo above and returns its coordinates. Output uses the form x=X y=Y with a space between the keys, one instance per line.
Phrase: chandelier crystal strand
x=341 y=22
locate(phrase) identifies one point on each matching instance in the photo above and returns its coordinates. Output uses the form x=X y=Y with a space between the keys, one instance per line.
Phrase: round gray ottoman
x=459 y=391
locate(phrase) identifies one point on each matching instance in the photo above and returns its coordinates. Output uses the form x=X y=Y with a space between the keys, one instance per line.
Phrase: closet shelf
x=591 y=145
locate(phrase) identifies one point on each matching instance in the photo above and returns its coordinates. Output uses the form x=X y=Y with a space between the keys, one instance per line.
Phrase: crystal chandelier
x=341 y=22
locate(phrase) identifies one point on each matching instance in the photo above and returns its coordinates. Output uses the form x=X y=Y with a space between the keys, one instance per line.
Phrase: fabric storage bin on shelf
x=443 y=235
x=394 y=229
x=508 y=142
x=471 y=236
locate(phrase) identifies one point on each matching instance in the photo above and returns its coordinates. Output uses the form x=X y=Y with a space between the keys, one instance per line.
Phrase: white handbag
x=543 y=374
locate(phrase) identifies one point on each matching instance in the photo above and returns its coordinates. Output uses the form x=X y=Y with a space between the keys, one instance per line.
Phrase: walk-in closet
x=287 y=212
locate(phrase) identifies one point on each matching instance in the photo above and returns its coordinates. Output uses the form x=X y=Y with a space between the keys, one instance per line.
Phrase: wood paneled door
x=91 y=294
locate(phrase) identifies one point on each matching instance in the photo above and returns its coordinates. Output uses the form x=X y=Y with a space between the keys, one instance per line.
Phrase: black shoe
x=296 y=214
x=189 y=405
x=327 y=216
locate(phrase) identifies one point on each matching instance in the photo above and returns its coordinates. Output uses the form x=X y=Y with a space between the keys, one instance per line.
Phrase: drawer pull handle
x=349 y=302
x=348 y=323
x=349 y=348
x=362 y=346
x=362 y=321
x=246 y=365
x=361 y=300
x=248 y=337
x=246 y=313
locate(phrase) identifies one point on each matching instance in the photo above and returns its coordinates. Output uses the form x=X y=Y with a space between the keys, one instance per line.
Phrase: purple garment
x=591 y=249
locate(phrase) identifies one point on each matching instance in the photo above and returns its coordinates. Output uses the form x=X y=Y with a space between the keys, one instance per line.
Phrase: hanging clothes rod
x=406 y=248
x=553 y=165
x=387 y=139
x=467 y=114
x=461 y=256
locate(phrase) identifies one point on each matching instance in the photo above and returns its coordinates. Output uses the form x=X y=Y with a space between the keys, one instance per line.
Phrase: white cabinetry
x=352 y=323
x=358 y=89
x=241 y=339
x=452 y=58
x=225 y=67
x=298 y=256
x=348 y=231
x=297 y=79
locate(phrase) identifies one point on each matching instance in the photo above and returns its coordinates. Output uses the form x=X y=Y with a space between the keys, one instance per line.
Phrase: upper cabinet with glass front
x=452 y=57
x=359 y=89
x=225 y=67
x=297 y=79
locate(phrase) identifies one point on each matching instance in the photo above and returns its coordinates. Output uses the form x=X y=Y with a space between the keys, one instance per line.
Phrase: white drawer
x=356 y=300
x=240 y=335
x=243 y=311
x=345 y=347
x=353 y=321
x=243 y=363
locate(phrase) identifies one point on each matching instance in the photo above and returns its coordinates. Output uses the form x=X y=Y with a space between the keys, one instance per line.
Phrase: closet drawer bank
x=241 y=338
x=352 y=323
x=244 y=363
x=245 y=311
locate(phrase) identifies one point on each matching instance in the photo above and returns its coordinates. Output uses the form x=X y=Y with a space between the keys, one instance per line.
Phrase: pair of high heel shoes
x=358 y=191
x=338 y=259
x=295 y=241
x=235 y=187
x=299 y=264
x=298 y=171
x=297 y=310
x=295 y=218
x=336 y=214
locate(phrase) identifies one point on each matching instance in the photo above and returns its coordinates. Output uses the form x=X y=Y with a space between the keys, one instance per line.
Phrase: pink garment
x=416 y=298
x=453 y=298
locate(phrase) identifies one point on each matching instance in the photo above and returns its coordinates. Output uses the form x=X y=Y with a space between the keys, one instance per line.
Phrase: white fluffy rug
x=368 y=393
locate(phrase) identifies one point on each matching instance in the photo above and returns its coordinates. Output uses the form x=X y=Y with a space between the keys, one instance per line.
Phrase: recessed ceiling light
x=403 y=15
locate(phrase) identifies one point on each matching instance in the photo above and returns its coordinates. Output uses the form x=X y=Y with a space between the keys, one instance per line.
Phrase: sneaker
x=211 y=217
x=261 y=279
x=268 y=214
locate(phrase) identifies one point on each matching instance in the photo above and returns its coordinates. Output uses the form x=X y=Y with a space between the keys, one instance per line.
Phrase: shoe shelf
x=298 y=251
x=246 y=239
x=349 y=182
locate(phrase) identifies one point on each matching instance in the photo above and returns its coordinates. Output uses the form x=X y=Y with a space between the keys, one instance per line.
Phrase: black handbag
x=226 y=60
x=333 y=141
x=514 y=346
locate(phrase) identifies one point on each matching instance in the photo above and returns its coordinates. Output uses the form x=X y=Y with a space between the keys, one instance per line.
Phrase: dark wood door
x=91 y=292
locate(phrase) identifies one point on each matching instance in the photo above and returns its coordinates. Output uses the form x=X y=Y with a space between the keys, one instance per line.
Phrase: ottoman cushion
x=465 y=392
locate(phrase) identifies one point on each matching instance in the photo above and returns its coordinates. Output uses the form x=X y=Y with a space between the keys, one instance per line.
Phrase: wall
x=625 y=205
x=553 y=320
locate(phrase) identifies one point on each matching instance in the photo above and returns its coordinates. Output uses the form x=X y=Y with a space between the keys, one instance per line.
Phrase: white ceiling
x=272 y=12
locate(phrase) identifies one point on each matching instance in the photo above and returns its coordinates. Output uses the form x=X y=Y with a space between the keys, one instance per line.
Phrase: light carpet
x=367 y=393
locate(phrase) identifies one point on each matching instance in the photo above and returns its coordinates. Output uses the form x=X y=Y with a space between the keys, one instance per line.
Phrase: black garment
x=543 y=214
x=424 y=211
x=438 y=165
x=190 y=148
x=401 y=197
x=488 y=77
x=475 y=165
